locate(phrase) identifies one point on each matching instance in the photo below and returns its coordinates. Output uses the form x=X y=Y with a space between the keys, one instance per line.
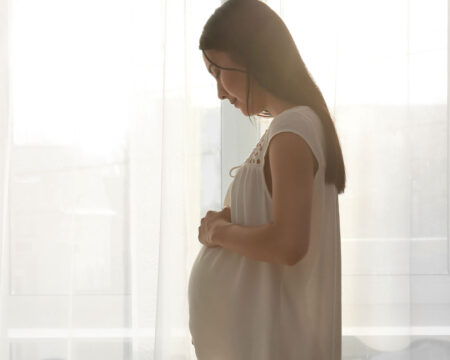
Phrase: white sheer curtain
x=107 y=104
x=110 y=153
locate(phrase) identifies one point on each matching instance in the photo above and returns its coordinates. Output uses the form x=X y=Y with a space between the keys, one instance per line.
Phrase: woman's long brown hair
x=254 y=36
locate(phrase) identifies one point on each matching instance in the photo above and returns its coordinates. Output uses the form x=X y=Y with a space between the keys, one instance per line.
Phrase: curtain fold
x=5 y=153
x=110 y=154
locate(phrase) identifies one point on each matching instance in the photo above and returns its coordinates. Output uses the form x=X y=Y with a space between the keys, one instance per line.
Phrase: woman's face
x=232 y=85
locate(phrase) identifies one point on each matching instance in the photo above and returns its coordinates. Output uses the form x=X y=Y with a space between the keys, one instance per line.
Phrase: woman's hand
x=210 y=223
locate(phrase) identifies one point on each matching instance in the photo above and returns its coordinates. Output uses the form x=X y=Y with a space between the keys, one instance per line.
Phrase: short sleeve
x=304 y=122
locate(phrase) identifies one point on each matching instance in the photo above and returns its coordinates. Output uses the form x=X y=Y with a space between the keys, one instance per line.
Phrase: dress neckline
x=290 y=109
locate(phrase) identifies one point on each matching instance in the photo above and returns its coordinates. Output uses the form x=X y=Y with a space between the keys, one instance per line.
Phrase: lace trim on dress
x=253 y=158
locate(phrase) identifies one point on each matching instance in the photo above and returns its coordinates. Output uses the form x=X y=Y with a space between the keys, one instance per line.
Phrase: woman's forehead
x=220 y=58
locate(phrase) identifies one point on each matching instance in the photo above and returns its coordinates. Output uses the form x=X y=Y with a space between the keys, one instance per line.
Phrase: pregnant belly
x=210 y=296
x=231 y=298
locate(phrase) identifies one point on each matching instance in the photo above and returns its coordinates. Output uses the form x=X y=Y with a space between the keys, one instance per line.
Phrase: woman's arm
x=261 y=243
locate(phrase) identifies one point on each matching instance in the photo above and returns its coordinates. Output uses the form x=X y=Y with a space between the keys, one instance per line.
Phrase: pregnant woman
x=266 y=285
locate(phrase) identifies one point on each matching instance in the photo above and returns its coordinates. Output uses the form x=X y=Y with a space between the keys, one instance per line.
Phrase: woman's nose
x=221 y=93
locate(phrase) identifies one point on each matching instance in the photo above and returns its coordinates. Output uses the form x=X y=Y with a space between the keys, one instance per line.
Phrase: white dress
x=244 y=309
